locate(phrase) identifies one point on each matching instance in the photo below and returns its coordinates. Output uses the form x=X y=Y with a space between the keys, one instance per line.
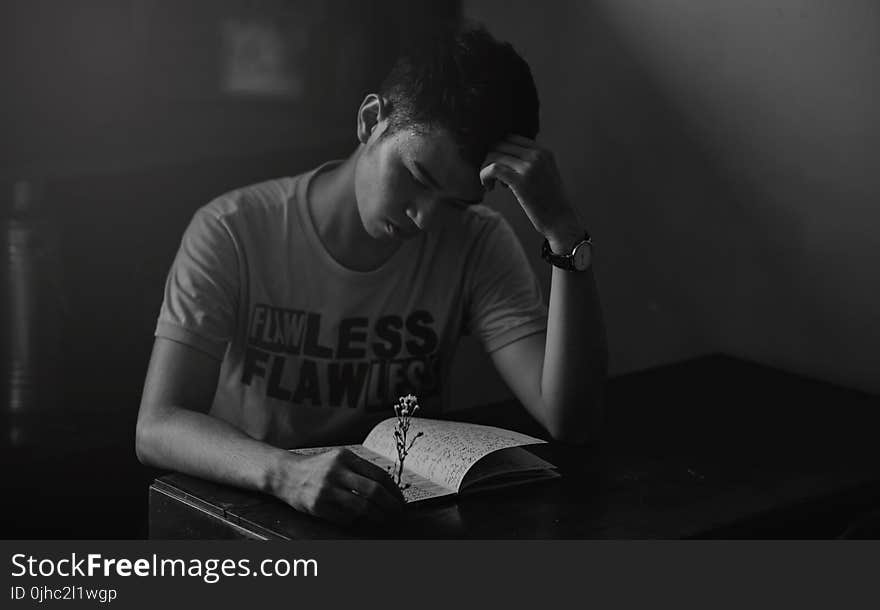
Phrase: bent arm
x=175 y=431
x=560 y=376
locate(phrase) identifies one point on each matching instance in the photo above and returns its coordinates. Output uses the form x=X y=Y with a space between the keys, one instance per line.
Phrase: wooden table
x=713 y=447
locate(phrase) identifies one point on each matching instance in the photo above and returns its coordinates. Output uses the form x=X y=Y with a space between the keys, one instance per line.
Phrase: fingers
x=347 y=498
x=341 y=487
x=497 y=170
x=521 y=140
x=332 y=507
x=373 y=472
x=530 y=154
x=515 y=163
x=371 y=491
x=343 y=507
x=520 y=148
x=520 y=164
x=512 y=161
x=517 y=151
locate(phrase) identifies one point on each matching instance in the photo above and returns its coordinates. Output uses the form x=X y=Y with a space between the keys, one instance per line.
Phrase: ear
x=372 y=113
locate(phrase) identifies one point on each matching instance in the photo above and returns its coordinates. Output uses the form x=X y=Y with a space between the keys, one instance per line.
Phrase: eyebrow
x=433 y=182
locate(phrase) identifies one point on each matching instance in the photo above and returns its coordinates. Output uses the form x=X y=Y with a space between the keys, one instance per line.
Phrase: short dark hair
x=461 y=79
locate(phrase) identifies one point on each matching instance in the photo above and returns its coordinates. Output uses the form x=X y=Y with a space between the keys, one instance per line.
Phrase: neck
x=333 y=208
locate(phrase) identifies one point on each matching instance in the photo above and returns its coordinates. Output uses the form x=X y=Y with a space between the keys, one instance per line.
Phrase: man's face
x=408 y=182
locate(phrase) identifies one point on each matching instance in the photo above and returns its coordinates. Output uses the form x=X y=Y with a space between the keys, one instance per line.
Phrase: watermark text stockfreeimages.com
x=209 y=570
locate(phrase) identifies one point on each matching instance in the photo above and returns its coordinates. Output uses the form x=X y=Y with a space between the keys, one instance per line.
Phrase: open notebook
x=453 y=457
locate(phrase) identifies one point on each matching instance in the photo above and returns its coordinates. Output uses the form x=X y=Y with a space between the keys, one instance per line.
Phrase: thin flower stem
x=404 y=410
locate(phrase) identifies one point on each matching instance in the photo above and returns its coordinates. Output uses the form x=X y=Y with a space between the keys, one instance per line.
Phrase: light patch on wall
x=259 y=59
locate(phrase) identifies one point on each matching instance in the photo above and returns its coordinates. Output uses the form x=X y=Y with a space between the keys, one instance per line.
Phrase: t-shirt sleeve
x=504 y=297
x=201 y=292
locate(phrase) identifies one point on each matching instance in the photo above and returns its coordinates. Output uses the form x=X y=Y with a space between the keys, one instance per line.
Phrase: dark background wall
x=723 y=154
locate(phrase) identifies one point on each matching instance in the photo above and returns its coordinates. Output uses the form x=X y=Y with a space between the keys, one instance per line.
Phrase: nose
x=422 y=212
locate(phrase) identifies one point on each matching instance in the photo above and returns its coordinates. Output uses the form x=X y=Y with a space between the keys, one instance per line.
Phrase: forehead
x=436 y=151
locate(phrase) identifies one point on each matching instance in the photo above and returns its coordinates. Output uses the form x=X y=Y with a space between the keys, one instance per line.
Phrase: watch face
x=582 y=256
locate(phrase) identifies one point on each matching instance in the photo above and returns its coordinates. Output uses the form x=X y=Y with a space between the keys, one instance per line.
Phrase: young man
x=298 y=310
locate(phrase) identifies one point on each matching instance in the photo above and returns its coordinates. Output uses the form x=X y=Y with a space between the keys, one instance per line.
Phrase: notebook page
x=447 y=449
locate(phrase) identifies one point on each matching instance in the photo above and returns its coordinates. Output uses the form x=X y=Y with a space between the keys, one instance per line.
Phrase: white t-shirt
x=314 y=353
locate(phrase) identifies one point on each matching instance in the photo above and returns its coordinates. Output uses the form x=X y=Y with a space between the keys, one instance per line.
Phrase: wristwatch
x=579 y=259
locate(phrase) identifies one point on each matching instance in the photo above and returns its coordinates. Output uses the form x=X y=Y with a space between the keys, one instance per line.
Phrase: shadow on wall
x=728 y=200
x=783 y=94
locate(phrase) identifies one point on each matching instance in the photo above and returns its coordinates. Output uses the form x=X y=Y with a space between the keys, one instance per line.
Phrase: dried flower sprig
x=404 y=410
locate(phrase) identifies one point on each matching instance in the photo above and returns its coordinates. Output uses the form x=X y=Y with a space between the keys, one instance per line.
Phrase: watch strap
x=564 y=261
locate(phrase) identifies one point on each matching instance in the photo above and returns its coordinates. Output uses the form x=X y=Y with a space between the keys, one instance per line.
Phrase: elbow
x=578 y=436
x=143 y=442
x=140 y=443
x=579 y=430
x=150 y=433
x=580 y=414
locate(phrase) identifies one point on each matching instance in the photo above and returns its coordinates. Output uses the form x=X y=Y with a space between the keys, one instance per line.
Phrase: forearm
x=569 y=399
x=199 y=444
x=575 y=358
